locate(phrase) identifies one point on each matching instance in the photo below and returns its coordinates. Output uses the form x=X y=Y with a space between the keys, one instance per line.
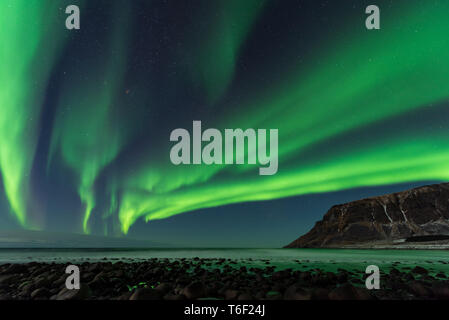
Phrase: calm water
x=302 y=259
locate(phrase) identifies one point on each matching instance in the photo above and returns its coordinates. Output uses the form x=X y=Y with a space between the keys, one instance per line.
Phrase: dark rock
x=16 y=268
x=295 y=292
x=231 y=294
x=342 y=276
x=278 y=287
x=212 y=291
x=87 y=276
x=441 y=290
x=320 y=294
x=116 y=274
x=5 y=296
x=363 y=294
x=83 y=293
x=356 y=281
x=305 y=276
x=40 y=293
x=419 y=270
x=278 y=275
x=28 y=288
x=174 y=297
x=245 y=296
x=41 y=282
x=194 y=290
x=61 y=280
x=273 y=295
x=95 y=268
x=8 y=279
x=163 y=288
x=395 y=272
x=409 y=277
x=125 y=296
x=146 y=294
x=349 y=292
x=419 y=289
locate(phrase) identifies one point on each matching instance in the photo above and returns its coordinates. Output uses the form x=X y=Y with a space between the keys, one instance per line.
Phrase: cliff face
x=417 y=212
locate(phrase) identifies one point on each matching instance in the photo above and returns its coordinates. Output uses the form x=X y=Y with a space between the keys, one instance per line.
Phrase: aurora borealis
x=86 y=115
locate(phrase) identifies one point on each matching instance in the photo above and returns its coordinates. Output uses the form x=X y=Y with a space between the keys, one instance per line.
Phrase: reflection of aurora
x=325 y=109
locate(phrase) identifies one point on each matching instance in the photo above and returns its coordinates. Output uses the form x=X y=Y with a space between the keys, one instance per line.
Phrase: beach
x=245 y=274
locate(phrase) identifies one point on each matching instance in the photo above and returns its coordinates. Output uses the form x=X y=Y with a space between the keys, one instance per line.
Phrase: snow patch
x=386 y=213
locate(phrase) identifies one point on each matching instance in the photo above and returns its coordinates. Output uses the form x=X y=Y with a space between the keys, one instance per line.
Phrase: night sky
x=86 y=115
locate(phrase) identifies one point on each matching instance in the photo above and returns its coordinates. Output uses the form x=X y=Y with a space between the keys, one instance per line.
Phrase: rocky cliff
x=422 y=211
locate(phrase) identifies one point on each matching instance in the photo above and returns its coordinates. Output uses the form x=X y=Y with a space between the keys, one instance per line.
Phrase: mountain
x=421 y=213
x=42 y=239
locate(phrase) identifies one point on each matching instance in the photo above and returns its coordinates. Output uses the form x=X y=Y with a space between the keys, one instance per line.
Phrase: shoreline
x=402 y=244
x=382 y=245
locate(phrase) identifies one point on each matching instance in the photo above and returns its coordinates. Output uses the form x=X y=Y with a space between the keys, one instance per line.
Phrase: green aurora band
x=354 y=84
x=86 y=124
x=215 y=43
x=27 y=52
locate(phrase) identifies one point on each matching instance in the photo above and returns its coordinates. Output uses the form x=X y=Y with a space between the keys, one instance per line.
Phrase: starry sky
x=86 y=115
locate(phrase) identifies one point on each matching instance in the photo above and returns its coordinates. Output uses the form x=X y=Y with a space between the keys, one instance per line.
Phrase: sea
x=435 y=261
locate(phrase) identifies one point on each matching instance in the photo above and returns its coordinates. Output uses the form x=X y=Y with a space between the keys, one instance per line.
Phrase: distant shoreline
x=397 y=245
x=433 y=245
